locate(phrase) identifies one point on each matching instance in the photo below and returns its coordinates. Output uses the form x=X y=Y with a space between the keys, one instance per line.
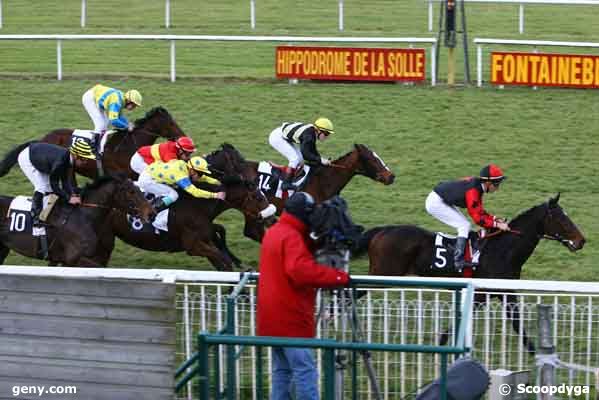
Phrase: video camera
x=334 y=232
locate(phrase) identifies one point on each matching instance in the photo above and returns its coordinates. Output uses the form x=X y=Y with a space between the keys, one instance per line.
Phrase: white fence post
x=173 y=77
x=340 y=15
x=59 y=59
x=187 y=332
x=479 y=65
x=521 y=19
x=430 y=15
x=83 y=12
x=433 y=64
x=167 y=13
x=253 y=14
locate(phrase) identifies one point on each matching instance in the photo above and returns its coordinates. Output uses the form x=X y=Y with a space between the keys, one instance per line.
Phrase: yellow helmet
x=324 y=124
x=134 y=97
x=199 y=164
x=82 y=149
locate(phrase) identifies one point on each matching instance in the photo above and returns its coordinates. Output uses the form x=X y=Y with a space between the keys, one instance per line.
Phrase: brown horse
x=323 y=182
x=122 y=144
x=72 y=232
x=190 y=226
x=408 y=249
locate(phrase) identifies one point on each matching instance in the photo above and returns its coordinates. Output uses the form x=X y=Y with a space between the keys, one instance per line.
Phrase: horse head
x=119 y=193
x=228 y=161
x=159 y=121
x=373 y=166
x=245 y=196
x=558 y=226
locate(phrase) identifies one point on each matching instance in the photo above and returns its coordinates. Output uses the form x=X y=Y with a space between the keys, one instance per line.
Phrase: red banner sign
x=545 y=69
x=348 y=64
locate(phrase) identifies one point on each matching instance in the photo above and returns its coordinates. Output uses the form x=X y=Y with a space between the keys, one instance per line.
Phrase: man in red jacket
x=289 y=278
x=467 y=193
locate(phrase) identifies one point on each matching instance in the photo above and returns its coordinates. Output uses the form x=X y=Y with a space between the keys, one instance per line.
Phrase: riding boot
x=287 y=183
x=37 y=204
x=159 y=204
x=458 y=255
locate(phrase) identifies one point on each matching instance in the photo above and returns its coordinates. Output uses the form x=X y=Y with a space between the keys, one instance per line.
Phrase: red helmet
x=492 y=172
x=186 y=144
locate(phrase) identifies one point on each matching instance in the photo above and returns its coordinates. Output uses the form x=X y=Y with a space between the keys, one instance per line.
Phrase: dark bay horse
x=190 y=226
x=73 y=231
x=408 y=249
x=122 y=145
x=323 y=182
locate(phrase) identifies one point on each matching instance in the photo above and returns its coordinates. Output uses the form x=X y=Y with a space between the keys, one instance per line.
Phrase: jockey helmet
x=199 y=164
x=185 y=144
x=300 y=205
x=492 y=173
x=82 y=149
x=324 y=125
x=134 y=97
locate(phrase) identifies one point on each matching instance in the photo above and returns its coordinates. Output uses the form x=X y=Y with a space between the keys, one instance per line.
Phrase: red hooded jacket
x=289 y=277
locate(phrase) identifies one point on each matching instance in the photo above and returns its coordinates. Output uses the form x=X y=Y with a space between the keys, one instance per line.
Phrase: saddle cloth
x=160 y=223
x=271 y=176
x=443 y=250
x=89 y=137
x=19 y=213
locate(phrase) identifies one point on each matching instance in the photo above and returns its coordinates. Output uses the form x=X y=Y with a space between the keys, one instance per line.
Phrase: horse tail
x=361 y=246
x=11 y=158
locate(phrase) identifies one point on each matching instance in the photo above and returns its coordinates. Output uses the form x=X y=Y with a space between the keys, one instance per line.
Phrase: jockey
x=180 y=149
x=159 y=178
x=297 y=142
x=467 y=193
x=48 y=167
x=105 y=105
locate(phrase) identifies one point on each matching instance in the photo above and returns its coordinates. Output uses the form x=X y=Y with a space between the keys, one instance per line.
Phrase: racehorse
x=122 y=145
x=72 y=231
x=408 y=249
x=190 y=226
x=323 y=182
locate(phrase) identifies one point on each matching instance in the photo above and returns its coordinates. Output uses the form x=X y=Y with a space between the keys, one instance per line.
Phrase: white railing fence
x=520 y=3
x=393 y=315
x=167 y=14
x=479 y=42
x=174 y=38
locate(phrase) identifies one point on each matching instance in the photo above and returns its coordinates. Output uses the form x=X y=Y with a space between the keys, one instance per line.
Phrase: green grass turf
x=545 y=139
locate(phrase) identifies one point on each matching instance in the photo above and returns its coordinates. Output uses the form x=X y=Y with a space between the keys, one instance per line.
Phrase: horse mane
x=156 y=110
x=525 y=214
x=102 y=180
x=228 y=149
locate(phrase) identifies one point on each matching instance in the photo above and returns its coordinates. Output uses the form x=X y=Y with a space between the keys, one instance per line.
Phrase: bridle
x=247 y=198
x=555 y=236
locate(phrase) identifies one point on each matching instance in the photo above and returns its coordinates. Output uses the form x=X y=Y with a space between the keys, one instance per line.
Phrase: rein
x=93 y=205
x=496 y=233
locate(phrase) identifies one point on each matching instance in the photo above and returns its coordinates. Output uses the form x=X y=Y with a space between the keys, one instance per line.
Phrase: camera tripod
x=343 y=302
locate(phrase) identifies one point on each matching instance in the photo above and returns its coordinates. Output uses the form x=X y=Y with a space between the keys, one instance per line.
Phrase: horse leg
x=220 y=240
x=195 y=246
x=3 y=253
x=513 y=313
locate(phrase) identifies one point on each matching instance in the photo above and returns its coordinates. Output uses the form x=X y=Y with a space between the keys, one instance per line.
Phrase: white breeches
x=291 y=152
x=40 y=181
x=147 y=184
x=447 y=214
x=137 y=163
x=99 y=119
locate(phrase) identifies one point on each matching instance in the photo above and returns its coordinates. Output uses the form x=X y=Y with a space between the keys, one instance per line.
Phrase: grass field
x=545 y=139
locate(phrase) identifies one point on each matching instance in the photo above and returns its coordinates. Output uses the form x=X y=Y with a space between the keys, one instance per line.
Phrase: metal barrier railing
x=198 y=365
